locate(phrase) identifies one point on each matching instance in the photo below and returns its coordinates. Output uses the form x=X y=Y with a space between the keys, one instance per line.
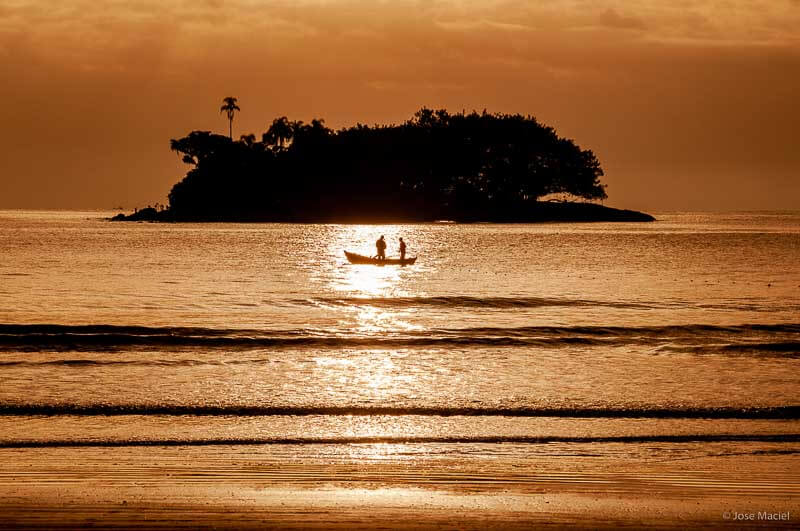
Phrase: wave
x=789 y=412
x=785 y=350
x=468 y=302
x=500 y=303
x=789 y=349
x=689 y=438
x=786 y=346
x=132 y=363
x=782 y=338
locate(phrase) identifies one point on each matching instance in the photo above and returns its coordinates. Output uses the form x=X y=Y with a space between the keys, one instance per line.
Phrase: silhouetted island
x=436 y=166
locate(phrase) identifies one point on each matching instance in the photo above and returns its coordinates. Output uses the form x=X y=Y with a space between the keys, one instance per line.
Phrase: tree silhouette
x=229 y=106
x=279 y=133
x=437 y=165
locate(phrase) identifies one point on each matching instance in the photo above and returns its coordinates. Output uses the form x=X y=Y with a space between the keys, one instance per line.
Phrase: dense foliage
x=435 y=166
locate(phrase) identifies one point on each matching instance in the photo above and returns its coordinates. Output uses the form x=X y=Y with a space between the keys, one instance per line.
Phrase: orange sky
x=688 y=104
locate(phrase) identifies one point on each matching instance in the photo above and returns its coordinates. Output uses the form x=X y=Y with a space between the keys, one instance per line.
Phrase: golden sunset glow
x=399 y=264
x=688 y=105
x=369 y=281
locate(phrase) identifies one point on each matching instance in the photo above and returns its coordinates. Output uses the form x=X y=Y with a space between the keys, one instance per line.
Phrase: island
x=462 y=167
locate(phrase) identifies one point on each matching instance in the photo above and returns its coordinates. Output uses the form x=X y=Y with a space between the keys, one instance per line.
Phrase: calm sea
x=686 y=330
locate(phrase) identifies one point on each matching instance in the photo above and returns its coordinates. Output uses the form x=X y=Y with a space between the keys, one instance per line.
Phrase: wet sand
x=259 y=487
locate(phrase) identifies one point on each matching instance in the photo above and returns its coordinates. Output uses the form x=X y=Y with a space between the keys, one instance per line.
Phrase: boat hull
x=354 y=258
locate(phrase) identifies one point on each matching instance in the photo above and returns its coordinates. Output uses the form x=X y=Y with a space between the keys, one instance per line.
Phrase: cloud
x=611 y=18
x=652 y=87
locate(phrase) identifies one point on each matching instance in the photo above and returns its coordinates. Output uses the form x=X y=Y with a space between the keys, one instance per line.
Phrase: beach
x=243 y=376
x=254 y=487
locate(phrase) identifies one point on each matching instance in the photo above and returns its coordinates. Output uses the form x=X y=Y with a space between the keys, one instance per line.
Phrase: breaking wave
x=790 y=412
x=774 y=339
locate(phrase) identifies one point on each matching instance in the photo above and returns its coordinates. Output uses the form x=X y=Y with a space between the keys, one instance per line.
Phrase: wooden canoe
x=354 y=258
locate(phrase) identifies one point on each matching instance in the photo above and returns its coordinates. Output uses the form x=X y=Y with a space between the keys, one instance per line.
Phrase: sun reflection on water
x=367 y=375
x=369 y=287
x=379 y=451
x=370 y=280
x=367 y=294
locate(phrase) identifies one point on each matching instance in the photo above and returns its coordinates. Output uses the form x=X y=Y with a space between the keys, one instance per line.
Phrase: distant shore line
x=542 y=212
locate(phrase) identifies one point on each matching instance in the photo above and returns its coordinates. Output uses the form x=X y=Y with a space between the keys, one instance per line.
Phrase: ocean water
x=630 y=339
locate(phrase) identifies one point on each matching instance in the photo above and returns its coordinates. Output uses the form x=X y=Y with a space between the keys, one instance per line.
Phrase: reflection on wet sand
x=386 y=486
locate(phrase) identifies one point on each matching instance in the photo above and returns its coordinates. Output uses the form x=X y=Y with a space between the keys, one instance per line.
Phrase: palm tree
x=229 y=106
x=279 y=133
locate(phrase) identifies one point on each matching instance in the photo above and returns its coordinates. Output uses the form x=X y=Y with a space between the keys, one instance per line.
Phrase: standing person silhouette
x=402 y=249
x=380 y=245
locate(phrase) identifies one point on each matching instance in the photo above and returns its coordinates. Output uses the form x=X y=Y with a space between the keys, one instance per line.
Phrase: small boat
x=354 y=258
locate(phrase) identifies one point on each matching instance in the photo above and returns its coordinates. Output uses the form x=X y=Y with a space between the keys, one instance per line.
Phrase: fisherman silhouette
x=380 y=245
